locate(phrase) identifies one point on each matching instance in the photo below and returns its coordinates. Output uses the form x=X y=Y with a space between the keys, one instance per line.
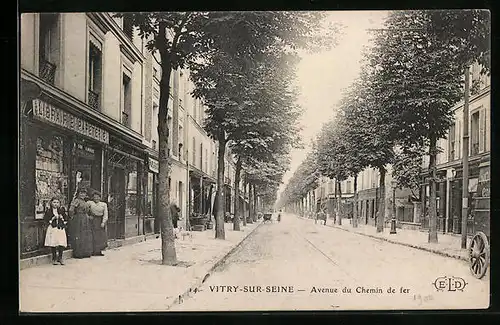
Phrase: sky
x=322 y=77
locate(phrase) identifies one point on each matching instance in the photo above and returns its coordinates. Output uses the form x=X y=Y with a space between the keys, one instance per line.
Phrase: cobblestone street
x=311 y=257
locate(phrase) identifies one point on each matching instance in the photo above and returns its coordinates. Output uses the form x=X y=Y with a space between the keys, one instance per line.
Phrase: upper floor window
x=451 y=143
x=194 y=151
x=180 y=151
x=206 y=160
x=474 y=130
x=127 y=99
x=95 y=75
x=195 y=110
x=201 y=156
x=128 y=27
x=48 y=47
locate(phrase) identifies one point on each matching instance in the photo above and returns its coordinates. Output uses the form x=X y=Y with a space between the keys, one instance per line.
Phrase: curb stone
x=200 y=280
x=430 y=250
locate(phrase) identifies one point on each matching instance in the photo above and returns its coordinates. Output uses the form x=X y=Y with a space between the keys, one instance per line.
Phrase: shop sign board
x=154 y=165
x=49 y=113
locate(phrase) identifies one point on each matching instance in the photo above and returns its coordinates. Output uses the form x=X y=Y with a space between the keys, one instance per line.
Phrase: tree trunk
x=237 y=177
x=250 y=202
x=339 y=204
x=243 y=212
x=255 y=202
x=219 y=218
x=334 y=208
x=381 y=211
x=247 y=186
x=432 y=184
x=215 y=208
x=355 y=204
x=169 y=256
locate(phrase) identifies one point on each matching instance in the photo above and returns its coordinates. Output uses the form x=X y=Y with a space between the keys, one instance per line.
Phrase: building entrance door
x=116 y=203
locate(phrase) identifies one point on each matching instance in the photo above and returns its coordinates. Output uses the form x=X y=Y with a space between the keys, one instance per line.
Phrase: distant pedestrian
x=55 y=237
x=80 y=226
x=98 y=213
x=175 y=213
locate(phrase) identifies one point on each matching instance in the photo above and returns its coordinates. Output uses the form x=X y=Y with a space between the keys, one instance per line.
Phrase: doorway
x=116 y=203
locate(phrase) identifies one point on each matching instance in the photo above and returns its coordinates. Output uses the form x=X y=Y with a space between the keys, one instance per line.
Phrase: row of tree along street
x=400 y=105
x=242 y=65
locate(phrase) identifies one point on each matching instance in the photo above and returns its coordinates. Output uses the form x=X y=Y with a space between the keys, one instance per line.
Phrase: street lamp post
x=393 y=220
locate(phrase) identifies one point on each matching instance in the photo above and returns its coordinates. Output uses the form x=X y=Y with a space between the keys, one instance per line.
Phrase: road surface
x=299 y=265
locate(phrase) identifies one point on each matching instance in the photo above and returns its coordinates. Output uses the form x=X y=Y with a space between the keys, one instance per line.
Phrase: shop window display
x=131 y=189
x=87 y=168
x=51 y=175
x=150 y=201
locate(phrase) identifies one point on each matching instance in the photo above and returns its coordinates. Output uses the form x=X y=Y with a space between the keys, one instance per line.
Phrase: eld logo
x=449 y=284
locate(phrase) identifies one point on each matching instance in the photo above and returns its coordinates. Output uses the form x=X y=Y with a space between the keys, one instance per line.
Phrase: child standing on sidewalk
x=55 y=237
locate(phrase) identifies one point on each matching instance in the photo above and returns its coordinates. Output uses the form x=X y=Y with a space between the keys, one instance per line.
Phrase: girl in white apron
x=55 y=238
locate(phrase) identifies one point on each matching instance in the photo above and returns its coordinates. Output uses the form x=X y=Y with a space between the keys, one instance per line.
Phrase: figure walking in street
x=175 y=213
x=80 y=226
x=279 y=216
x=55 y=237
x=98 y=213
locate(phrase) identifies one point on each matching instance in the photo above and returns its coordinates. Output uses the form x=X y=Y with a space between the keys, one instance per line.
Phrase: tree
x=179 y=39
x=223 y=81
x=407 y=168
x=331 y=159
x=304 y=179
x=355 y=160
x=268 y=131
x=419 y=78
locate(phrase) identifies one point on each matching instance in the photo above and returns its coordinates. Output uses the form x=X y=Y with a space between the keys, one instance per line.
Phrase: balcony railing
x=475 y=149
x=125 y=119
x=47 y=71
x=94 y=100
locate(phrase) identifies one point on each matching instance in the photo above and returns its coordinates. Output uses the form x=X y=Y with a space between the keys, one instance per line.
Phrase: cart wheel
x=479 y=255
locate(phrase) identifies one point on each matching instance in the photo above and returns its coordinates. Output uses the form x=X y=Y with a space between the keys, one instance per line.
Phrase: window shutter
x=458 y=143
x=482 y=128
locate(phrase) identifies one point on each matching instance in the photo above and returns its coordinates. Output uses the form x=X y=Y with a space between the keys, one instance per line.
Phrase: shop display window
x=131 y=189
x=150 y=204
x=87 y=166
x=51 y=172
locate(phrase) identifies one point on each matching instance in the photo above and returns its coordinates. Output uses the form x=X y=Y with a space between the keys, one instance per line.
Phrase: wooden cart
x=479 y=248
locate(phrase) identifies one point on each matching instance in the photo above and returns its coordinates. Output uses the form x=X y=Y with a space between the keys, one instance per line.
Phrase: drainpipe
x=186 y=146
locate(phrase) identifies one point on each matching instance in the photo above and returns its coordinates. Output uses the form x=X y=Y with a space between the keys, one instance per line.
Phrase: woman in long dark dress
x=80 y=226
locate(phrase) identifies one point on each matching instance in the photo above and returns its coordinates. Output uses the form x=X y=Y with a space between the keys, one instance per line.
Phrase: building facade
x=94 y=125
x=449 y=161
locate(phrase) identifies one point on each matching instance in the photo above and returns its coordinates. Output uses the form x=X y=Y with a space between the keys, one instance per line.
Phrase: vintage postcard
x=254 y=161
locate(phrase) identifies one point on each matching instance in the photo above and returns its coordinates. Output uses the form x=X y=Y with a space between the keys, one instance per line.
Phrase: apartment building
x=449 y=160
x=88 y=121
x=96 y=120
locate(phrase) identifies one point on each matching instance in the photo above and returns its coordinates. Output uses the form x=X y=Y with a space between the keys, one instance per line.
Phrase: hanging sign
x=49 y=113
x=154 y=165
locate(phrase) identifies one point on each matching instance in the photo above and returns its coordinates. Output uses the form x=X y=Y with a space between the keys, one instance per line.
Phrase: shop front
x=124 y=190
x=151 y=190
x=367 y=206
x=60 y=152
x=449 y=199
x=200 y=199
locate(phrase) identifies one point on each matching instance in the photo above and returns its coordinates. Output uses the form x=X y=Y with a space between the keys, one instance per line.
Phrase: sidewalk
x=128 y=278
x=448 y=245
